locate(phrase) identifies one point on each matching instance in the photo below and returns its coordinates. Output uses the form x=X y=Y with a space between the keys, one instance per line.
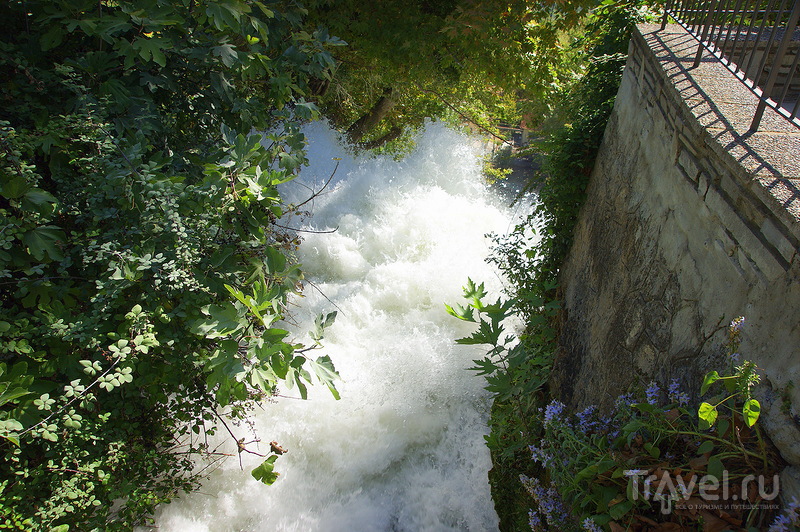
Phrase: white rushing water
x=403 y=449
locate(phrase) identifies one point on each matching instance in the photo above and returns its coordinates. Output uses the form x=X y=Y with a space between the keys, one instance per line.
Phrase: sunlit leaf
x=265 y=472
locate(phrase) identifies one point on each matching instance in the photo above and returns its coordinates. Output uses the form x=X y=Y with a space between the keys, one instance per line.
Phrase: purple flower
x=553 y=412
x=735 y=358
x=586 y=419
x=780 y=524
x=534 y=520
x=676 y=395
x=591 y=526
x=548 y=501
x=541 y=456
x=788 y=518
x=551 y=506
x=737 y=324
x=623 y=400
x=652 y=392
x=792 y=508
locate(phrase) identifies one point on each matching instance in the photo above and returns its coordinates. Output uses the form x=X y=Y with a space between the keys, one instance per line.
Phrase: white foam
x=403 y=450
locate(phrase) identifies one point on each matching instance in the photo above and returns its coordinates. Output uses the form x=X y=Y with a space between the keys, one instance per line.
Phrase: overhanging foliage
x=141 y=272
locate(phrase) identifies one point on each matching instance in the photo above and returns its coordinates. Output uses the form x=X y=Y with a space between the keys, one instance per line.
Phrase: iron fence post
x=791 y=25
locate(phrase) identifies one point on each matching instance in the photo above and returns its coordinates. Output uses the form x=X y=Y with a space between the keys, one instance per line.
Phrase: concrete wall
x=678 y=236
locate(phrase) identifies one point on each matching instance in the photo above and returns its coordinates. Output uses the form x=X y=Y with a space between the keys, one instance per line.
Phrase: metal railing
x=757 y=40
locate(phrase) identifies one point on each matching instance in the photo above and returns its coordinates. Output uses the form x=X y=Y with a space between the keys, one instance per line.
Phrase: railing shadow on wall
x=757 y=40
x=710 y=117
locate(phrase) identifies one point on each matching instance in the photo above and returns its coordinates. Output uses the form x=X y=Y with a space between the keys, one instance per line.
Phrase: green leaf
x=619 y=510
x=151 y=48
x=705 y=447
x=652 y=450
x=226 y=53
x=632 y=426
x=587 y=472
x=265 y=472
x=715 y=467
x=15 y=187
x=223 y=321
x=461 y=312
x=275 y=260
x=38 y=200
x=475 y=292
x=326 y=373
x=10 y=394
x=42 y=240
x=707 y=414
x=52 y=38
x=709 y=379
x=321 y=323
x=751 y=410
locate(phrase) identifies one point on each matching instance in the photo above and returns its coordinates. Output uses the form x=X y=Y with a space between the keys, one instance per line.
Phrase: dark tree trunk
x=392 y=134
x=381 y=108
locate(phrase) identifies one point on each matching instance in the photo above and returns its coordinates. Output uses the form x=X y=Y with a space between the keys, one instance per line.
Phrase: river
x=403 y=450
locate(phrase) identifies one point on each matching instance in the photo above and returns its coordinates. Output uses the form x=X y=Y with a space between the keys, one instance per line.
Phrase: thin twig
x=305 y=230
x=77 y=396
x=315 y=287
x=315 y=194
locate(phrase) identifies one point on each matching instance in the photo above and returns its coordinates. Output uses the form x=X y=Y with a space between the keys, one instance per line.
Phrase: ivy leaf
x=265 y=472
x=751 y=410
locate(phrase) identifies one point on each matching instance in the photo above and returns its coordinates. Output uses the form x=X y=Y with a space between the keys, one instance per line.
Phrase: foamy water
x=403 y=449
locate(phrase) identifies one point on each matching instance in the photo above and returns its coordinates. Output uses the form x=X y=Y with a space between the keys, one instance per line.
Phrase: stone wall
x=690 y=221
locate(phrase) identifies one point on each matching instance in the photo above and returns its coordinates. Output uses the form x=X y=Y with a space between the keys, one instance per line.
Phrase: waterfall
x=403 y=450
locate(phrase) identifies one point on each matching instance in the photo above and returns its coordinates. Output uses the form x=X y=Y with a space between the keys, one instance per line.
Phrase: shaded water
x=403 y=449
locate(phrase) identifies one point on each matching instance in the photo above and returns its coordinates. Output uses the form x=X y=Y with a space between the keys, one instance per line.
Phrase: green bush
x=141 y=270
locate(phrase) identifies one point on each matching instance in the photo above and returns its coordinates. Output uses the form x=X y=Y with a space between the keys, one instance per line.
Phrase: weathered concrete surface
x=690 y=222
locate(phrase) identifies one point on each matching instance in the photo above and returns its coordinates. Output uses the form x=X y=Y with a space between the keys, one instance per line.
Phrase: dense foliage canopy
x=472 y=61
x=141 y=270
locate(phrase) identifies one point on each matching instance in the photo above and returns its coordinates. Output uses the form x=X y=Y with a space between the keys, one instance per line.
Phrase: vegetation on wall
x=654 y=462
x=531 y=255
x=658 y=460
